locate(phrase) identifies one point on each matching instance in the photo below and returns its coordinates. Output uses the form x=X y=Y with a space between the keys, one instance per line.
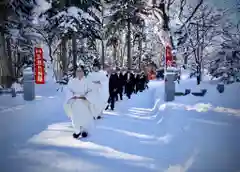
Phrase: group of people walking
x=125 y=82
x=88 y=95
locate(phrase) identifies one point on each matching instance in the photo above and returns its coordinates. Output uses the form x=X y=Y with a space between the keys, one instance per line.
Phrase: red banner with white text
x=168 y=56
x=39 y=66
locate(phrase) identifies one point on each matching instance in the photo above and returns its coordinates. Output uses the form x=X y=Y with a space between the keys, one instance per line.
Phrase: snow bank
x=158 y=93
x=17 y=87
x=226 y=102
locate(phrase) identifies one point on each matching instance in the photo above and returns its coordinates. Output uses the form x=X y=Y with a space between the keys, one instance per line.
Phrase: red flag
x=169 y=56
x=39 y=66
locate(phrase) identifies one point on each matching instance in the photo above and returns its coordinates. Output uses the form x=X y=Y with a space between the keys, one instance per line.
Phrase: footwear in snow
x=84 y=134
x=75 y=136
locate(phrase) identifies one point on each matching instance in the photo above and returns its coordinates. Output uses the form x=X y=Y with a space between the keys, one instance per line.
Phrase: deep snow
x=143 y=134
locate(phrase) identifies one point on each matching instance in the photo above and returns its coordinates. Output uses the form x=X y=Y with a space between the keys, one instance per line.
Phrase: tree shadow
x=90 y=151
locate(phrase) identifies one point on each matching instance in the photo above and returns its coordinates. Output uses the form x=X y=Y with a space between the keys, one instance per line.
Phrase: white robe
x=79 y=110
x=99 y=91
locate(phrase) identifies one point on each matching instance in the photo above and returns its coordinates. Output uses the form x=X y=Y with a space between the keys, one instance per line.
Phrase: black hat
x=82 y=67
x=96 y=63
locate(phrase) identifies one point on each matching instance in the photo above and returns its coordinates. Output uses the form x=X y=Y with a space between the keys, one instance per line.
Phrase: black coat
x=113 y=83
x=136 y=79
x=144 y=79
x=129 y=82
x=121 y=81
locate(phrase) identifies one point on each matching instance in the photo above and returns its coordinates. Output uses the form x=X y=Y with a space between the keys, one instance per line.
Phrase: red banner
x=169 y=56
x=39 y=66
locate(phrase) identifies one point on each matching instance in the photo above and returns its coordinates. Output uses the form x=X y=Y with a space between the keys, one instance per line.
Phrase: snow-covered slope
x=142 y=134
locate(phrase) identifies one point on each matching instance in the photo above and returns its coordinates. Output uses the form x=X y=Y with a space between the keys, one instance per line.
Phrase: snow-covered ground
x=194 y=134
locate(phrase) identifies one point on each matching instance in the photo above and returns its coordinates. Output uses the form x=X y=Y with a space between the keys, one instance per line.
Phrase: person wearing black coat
x=120 y=84
x=113 y=81
x=129 y=83
x=146 y=81
x=136 y=82
x=124 y=82
x=142 y=82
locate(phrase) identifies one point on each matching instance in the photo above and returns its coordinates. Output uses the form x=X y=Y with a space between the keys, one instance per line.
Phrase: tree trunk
x=5 y=76
x=123 y=51
x=129 y=58
x=185 y=59
x=50 y=51
x=199 y=74
x=118 y=54
x=103 y=54
x=74 y=51
x=15 y=62
x=140 y=48
x=64 y=54
x=165 y=23
x=18 y=61
x=198 y=62
x=82 y=48
x=121 y=55
x=140 y=54
x=9 y=53
x=114 y=54
x=102 y=41
x=172 y=44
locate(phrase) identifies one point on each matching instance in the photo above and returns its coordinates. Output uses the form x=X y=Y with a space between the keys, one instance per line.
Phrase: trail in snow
x=143 y=134
x=38 y=137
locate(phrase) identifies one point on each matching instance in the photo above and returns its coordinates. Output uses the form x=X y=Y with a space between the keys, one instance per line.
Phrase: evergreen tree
x=124 y=14
x=75 y=20
x=67 y=16
x=14 y=16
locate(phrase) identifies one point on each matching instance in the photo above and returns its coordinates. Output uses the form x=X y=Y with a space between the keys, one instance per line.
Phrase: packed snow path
x=142 y=134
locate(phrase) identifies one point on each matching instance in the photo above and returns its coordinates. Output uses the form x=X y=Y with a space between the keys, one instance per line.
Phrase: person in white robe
x=78 y=104
x=99 y=87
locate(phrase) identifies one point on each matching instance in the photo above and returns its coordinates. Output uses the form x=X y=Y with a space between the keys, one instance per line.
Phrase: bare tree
x=226 y=65
x=163 y=11
x=48 y=37
x=200 y=34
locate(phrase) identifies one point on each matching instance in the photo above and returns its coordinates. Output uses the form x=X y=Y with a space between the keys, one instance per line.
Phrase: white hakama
x=79 y=110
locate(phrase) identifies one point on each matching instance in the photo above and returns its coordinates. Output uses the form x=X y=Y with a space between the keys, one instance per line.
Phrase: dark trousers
x=136 y=87
x=141 y=86
x=129 y=90
x=119 y=93
x=198 y=80
x=112 y=99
